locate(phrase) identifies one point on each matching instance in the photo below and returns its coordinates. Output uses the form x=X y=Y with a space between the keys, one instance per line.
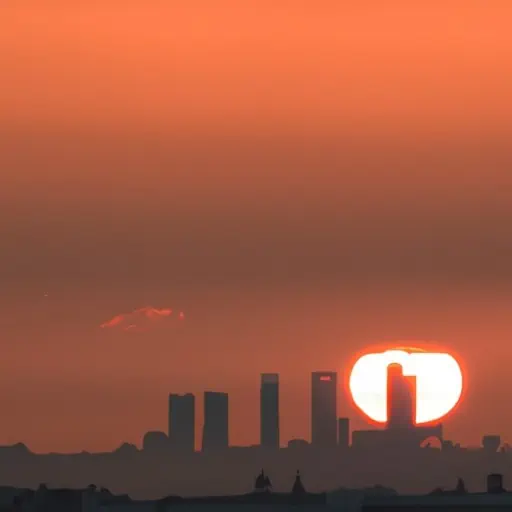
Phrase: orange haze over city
x=293 y=181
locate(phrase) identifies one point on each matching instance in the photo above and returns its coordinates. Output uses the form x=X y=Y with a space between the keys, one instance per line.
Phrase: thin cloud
x=139 y=319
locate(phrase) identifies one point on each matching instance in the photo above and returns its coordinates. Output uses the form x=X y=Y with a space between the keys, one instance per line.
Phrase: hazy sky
x=302 y=179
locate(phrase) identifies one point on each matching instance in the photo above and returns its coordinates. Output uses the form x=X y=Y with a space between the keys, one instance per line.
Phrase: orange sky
x=301 y=180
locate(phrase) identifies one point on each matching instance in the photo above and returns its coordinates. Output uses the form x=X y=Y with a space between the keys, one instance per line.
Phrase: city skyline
x=187 y=431
x=182 y=423
x=329 y=430
x=195 y=192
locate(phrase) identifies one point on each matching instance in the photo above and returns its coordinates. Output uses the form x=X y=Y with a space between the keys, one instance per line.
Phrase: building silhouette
x=401 y=432
x=182 y=422
x=298 y=488
x=401 y=398
x=323 y=409
x=269 y=410
x=343 y=432
x=216 y=421
x=155 y=442
x=495 y=483
x=491 y=443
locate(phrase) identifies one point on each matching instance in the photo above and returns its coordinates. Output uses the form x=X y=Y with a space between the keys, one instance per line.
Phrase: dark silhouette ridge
x=91 y=499
x=439 y=500
x=262 y=498
x=378 y=498
x=460 y=489
x=152 y=474
x=45 y=499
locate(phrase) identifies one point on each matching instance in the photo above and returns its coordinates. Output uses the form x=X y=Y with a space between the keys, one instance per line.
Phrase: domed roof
x=154 y=438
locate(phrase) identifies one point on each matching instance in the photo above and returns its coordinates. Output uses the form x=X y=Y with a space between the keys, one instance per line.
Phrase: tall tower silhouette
x=182 y=422
x=216 y=421
x=324 y=422
x=401 y=398
x=269 y=410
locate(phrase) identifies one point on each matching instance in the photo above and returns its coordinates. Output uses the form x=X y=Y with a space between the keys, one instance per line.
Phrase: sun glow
x=438 y=381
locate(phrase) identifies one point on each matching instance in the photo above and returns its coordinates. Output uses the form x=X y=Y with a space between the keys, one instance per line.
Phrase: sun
x=439 y=382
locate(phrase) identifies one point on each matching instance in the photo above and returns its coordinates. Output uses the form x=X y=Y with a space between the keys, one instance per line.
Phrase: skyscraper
x=216 y=418
x=343 y=432
x=269 y=410
x=323 y=409
x=182 y=422
x=401 y=398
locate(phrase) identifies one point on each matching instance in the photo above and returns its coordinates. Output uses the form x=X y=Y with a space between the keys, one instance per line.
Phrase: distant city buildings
x=269 y=410
x=328 y=432
x=182 y=420
x=324 y=431
x=216 y=421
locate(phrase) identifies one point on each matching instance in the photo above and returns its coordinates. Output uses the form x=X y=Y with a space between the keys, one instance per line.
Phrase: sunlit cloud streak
x=139 y=319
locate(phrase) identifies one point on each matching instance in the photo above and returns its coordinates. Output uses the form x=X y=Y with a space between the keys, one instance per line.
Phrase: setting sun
x=438 y=377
